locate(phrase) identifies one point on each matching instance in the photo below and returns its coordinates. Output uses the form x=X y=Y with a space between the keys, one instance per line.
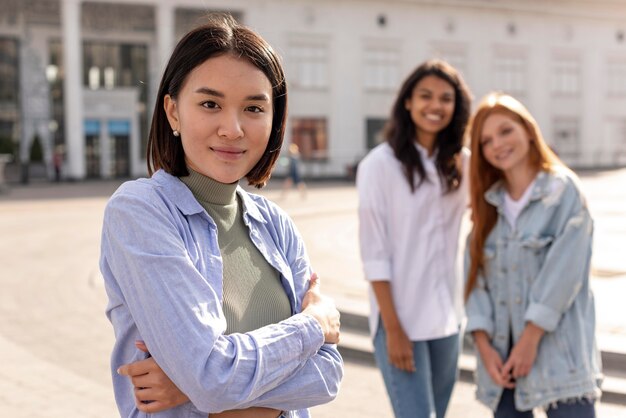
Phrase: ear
x=171 y=110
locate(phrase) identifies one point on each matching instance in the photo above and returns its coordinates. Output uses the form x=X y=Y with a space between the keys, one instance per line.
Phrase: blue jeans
x=425 y=392
x=582 y=408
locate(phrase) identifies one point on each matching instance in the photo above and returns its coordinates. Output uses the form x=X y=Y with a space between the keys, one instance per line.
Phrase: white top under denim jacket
x=539 y=272
x=163 y=274
x=412 y=240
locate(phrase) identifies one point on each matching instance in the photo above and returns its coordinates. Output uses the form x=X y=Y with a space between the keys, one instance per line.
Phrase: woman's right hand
x=491 y=360
x=400 y=350
x=155 y=392
x=323 y=309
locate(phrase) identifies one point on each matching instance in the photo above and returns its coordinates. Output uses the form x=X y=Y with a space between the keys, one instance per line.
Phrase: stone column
x=73 y=88
x=165 y=33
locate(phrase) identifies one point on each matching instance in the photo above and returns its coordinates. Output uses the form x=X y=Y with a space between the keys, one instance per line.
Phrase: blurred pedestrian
x=530 y=308
x=57 y=162
x=413 y=195
x=294 y=175
x=214 y=280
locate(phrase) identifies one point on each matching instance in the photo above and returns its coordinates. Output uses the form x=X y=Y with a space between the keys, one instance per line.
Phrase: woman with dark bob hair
x=211 y=295
x=412 y=197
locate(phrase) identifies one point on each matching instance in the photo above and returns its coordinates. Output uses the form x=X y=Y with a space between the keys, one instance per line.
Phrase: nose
x=230 y=126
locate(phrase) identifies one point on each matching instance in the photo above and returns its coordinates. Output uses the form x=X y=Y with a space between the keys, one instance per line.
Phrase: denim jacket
x=162 y=270
x=539 y=272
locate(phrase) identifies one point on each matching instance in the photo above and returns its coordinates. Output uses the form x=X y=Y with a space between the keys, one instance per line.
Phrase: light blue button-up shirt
x=163 y=275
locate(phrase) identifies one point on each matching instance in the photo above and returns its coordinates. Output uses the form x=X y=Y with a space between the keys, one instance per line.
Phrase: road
x=55 y=340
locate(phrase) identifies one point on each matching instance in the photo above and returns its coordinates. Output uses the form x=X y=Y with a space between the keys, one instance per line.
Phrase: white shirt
x=512 y=208
x=413 y=240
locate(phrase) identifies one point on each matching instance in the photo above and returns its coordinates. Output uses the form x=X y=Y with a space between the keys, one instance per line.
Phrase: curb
x=356 y=346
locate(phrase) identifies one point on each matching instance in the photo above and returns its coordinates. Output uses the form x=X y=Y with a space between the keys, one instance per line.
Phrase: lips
x=434 y=118
x=228 y=153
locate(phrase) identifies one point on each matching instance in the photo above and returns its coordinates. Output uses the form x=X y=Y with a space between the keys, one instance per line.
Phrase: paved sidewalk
x=55 y=341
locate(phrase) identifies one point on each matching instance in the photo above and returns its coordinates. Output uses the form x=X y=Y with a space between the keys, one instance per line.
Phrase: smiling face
x=224 y=115
x=431 y=106
x=505 y=142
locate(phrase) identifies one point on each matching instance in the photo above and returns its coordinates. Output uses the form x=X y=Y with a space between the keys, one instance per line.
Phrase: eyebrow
x=446 y=93
x=210 y=92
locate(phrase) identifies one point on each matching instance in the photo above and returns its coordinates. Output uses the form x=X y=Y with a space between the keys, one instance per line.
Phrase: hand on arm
x=155 y=392
x=323 y=309
x=524 y=353
x=399 y=347
x=491 y=359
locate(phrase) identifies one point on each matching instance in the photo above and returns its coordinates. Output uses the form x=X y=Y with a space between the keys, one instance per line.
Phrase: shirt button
x=503 y=302
x=518 y=300
x=514 y=267
x=503 y=270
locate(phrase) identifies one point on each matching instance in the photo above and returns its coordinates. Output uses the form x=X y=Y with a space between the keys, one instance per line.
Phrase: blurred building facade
x=81 y=75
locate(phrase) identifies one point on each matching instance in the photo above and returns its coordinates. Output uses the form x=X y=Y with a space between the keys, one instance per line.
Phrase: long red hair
x=483 y=175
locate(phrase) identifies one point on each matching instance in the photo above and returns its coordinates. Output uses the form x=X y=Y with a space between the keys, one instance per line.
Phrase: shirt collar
x=495 y=194
x=184 y=200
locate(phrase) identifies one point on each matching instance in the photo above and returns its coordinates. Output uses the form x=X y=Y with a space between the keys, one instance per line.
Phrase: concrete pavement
x=55 y=341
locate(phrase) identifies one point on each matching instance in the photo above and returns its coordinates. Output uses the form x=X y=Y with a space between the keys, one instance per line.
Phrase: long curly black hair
x=400 y=131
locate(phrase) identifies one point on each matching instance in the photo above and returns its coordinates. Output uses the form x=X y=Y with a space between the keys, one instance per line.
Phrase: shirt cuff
x=542 y=316
x=310 y=331
x=480 y=323
x=377 y=270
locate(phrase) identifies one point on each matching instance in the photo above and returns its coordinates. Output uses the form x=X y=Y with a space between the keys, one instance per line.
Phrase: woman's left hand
x=152 y=385
x=523 y=354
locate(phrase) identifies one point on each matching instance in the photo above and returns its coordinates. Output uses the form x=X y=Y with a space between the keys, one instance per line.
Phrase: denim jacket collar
x=495 y=194
x=184 y=200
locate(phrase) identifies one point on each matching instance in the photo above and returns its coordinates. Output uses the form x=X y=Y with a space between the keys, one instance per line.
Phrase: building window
x=566 y=142
x=374 y=128
x=311 y=137
x=308 y=65
x=381 y=68
x=111 y=65
x=510 y=72
x=8 y=71
x=616 y=80
x=566 y=77
x=452 y=53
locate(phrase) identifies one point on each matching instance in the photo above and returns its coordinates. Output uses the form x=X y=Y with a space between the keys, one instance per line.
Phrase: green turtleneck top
x=253 y=295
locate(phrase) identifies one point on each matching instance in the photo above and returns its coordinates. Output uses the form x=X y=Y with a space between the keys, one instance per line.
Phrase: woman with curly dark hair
x=412 y=197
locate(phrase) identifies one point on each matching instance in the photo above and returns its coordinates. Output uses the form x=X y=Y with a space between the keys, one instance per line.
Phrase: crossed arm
x=155 y=392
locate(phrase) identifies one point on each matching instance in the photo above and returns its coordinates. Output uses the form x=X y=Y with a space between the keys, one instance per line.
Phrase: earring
x=176 y=133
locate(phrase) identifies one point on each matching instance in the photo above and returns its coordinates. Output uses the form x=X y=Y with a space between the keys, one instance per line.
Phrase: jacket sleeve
x=373 y=232
x=177 y=313
x=566 y=265
x=479 y=305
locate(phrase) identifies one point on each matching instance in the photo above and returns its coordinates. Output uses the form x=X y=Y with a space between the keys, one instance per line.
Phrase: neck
x=517 y=179
x=427 y=140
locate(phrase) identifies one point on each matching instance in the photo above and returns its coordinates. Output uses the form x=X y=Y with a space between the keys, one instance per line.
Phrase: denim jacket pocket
x=534 y=255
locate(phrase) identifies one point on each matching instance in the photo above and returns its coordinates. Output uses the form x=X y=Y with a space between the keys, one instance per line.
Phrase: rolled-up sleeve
x=177 y=313
x=565 y=268
x=373 y=232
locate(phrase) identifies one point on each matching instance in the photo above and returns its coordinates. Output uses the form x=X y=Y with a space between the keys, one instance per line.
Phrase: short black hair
x=220 y=35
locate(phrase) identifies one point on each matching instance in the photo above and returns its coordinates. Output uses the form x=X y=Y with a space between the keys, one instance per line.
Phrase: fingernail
x=118 y=371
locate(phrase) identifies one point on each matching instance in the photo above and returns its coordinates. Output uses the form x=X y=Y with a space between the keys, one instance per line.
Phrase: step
x=356 y=345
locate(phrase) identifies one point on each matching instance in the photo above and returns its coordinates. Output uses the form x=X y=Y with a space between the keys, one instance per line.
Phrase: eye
x=485 y=141
x=507 y=130
x=255 y=109
x=210 y=104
